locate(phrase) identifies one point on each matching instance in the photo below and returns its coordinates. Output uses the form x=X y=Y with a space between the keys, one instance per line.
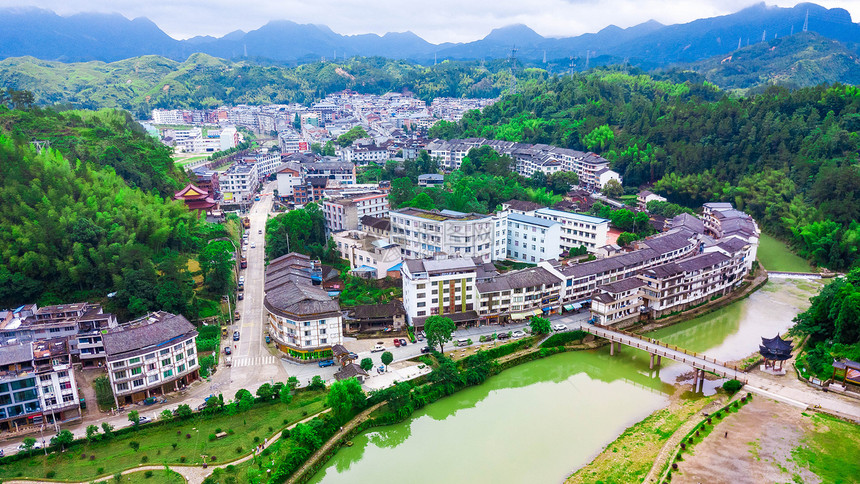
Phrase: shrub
x=732 y=386
x=92 y=457
x=117 y=477
x=212 y=437
x=144 y=459
x=100 y=471
x=285 y=434
x=561 y=339
x=187 y=436
x=218 y=430
x=50 y=474
x=147 y=474
x=213 y=458
x=174 y=445
x=183 y=459
x=239 y=449
x=256 y=439
x=134 y=445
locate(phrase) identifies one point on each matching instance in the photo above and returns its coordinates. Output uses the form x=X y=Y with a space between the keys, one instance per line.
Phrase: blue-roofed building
x=532 y=239
x=577 y=229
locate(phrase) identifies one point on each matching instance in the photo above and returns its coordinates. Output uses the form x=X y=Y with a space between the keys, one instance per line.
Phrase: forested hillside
x=143 y=83
x=106 y=138
x=93 y=215
x=787 y=157
x=801 y=60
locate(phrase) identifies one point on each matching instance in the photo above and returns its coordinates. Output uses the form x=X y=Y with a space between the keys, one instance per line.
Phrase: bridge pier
x=651 y=366
x=695 y=379
x=612 y=348
x=701 y=382
x=659 y=360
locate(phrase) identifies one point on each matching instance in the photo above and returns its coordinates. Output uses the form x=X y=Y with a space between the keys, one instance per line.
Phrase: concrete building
x=646 y=196
x=368 y=255
x=229 y=138
x=289 y=176
x=617 y=303
x=577 y=229
x=151 y=356
x=431 y=180
x=346 y=213
x=302 y=319
x=532 y=239
x=340 y=172
x=426 y=233
x=37 y=384
x=518 y=295
x=439 y=287
x=240 y=182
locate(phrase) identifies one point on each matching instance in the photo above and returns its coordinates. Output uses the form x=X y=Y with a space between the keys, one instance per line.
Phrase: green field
x=774 y=255
x=831 y=451
x=159 y=477
x=191 y=438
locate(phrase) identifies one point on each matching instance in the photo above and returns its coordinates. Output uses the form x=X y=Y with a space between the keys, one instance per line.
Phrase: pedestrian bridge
x=658 y=350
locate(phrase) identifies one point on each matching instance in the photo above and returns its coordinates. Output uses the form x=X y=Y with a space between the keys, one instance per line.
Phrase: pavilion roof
x=191 y=192
x=777 y=344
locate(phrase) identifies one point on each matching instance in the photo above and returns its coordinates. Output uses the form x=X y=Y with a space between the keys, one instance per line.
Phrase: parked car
x=227 y=350
x=235 y=336
x=559 y=327
x=236 y=315
x=253 y=245
x=268 y=339
x=379 y=347
x=353 y=356
x=37 y=445
x=201 y=407
x=143 y=420
x=503 y=336
x=241 y=296
x=423 y=334
x=402 y=342
x=518 y=334
x=396 y=342
x=420 y=338
x=260 y=231
x=426 y=349
x=325 y=363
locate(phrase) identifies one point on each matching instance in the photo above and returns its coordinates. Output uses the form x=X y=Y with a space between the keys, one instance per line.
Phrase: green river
x=541 y=421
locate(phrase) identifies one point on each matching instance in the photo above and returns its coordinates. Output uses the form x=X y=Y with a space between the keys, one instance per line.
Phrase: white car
x=37 y=445
x=559 y=327
x=253 y=245
x=517 y=334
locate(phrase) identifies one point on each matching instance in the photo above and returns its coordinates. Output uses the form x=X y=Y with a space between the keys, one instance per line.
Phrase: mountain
x=801 y=60
x=111 y=37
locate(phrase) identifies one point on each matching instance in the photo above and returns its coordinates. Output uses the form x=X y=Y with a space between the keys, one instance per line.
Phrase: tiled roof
x=623 y=285
x=146 y=333
x=304 y=301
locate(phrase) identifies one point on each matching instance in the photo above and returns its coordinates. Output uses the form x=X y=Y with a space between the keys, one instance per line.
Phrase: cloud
x=436 y=21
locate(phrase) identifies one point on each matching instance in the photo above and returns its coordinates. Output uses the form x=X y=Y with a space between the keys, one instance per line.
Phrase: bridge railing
x=635 y=341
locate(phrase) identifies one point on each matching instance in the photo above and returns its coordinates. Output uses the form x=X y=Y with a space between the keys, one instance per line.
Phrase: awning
x=520 y=315
x=569 y=307
x=576 y=306
x=537 y=312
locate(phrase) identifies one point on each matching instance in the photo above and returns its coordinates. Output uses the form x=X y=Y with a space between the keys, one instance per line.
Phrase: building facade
x=368 y=255
x=426 y=233
x=151 y=356
x=576 y=229
x=346 y=213
x=532 y=239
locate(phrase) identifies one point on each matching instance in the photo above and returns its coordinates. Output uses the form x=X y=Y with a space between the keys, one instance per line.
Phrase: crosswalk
x=255 y=361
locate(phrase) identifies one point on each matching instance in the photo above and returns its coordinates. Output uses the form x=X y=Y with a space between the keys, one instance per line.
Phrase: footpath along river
x=542 y=420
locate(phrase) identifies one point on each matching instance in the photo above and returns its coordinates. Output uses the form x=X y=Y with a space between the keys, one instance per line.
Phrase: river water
x=541 y=421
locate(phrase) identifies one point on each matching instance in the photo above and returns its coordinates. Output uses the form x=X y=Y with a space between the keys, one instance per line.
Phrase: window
x=122 y=387
x=118 y=364
x=137 y=371
x=134 y=361
x=168 y=373
x=189 y=351
x=165 y=352
x=68 y=398
x=180 y=369
x=137 y=383
x=178 y=347
x=323 y=341
x=421 y=304
x=64 y=385
x=150 y=356
x=322 y=321
x=153 y=378
x=45 y=378
x=119 y=375
x=307 y=342
x=150 y=367
x=307 y=323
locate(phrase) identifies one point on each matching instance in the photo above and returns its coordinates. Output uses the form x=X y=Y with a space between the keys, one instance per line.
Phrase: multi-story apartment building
x=363 y=155
x=81 y=323
x=518 y=295
x=239 y=182
x=532 y=239
x=346 y=213
x=426 y=233
x=593 y=170
x=228 y=138
x=577 y=229
x=266 y=163
x=150 y=356
x=302 y=319
x=617 y=303
x=340 y=172
x=37 y=384
x=289 y=176
x=440 y=287
x=368 y=255
x=168 y=116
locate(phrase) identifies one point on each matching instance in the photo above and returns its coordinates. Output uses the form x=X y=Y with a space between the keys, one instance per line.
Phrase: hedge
x=561 y=339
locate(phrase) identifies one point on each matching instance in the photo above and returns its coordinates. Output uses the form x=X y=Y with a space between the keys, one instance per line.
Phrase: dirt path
x=751 y=446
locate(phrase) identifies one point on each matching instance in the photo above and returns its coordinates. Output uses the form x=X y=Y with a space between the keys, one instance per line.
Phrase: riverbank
x=632 y=455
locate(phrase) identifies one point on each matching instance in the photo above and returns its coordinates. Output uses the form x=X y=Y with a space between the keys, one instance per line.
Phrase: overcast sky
x=436 y=20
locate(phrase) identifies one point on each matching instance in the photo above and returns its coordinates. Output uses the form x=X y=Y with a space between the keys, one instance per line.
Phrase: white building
x=289 y=176
x=239 y=182
x=369 y=256
x=426 y=233
x=267 y=163
x=229 y=138
x=302 y=319
x=346 y=213
x=168 y=116
x=439 y=287
x=577 y=229
x=151 y=356
x=532 y=239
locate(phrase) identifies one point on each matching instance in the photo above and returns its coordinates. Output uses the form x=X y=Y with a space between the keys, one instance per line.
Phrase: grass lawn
x=774 y=255
x=160 y=477
x=90 y=460
x=831 y=451
x=631 y=455
x=252 y=471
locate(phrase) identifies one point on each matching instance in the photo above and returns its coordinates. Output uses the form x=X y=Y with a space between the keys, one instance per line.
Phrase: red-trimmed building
x=196 y=199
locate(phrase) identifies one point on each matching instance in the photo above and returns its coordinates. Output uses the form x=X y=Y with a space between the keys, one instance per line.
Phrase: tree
x=286 y=396
x=317 y=383
x=184 y=411
x=540 y=325
x=329 y=149
x=422 y=201
x=92 y=433
x=134 y=417
x=107 y=429
x=387 y=358
x=366 y=364
x=439 y=330
x=63 y=438
x=561 y=182
x=166 y=415
x=306 y=436
x=265 y=392
x=613 y=189
x=345 y=396
x=28 y=444
x=292 y=383
x=625 y=238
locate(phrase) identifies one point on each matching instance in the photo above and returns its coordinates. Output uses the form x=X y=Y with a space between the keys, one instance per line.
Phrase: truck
x=246 y=222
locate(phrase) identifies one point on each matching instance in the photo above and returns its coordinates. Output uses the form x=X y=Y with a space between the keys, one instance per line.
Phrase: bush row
x=561 y=339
